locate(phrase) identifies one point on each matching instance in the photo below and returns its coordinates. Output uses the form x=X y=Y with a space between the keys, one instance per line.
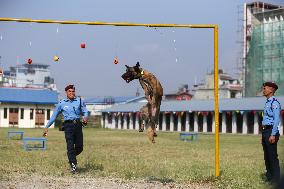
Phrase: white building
x=26 y=108
x=28 y=75
x=228 y=87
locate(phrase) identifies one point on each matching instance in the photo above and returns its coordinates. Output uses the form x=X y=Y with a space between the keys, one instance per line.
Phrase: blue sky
x=175 y=56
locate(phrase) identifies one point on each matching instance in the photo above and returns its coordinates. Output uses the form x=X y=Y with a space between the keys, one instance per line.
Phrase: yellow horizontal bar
x=107 y=23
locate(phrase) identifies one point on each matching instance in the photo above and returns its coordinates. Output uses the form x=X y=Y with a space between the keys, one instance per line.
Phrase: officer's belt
x=264 y=127
x=75 y=121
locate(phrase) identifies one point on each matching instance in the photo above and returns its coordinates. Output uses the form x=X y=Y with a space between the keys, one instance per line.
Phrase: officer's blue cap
x=271 y=84
x=69 y=87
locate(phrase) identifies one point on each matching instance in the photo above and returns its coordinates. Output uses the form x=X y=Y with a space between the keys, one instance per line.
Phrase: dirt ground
x=40 y=182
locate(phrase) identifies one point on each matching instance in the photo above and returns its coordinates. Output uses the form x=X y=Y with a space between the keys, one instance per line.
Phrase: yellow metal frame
x=215 y=29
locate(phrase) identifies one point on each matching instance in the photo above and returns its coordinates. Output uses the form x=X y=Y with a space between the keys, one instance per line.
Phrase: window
x=5 y=113
x=31 y=114
x=22 y=113
x=48 y=114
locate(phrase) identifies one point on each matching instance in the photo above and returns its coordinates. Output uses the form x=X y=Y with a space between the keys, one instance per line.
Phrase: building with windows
x=181 y=94
x=28 y=75
x=228 y=87
x=26 y=108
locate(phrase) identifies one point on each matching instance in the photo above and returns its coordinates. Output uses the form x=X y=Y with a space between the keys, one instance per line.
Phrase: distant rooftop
x=108 y=100
x=241 y=104
x=28 y=96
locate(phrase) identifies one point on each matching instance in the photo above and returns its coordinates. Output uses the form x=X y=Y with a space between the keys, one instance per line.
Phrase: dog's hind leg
x=156 y=114
x=150 y=133
x=144 y=116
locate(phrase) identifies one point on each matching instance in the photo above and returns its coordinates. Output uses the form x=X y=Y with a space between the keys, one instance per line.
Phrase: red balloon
x=83 y=45
x=30 y=61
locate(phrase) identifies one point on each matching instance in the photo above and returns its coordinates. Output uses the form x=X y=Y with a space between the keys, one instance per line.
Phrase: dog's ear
x=126 y=66
x=137 y=64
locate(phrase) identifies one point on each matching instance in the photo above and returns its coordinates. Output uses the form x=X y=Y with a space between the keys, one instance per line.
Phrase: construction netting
x=265 y=58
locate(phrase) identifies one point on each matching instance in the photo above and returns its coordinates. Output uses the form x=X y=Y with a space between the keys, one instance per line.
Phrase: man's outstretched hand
x=45 y=132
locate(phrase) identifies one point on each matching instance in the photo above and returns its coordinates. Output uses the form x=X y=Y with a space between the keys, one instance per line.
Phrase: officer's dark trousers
x=270 y=156
x=74 y=140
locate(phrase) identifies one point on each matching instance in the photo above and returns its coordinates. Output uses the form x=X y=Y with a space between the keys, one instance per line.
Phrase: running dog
x=153 y=90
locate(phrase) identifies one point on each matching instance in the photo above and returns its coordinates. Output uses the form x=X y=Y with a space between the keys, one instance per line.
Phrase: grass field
x=129 y=155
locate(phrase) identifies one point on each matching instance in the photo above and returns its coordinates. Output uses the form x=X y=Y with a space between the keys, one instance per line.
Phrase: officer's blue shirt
x=70 y=109
x=271 y=114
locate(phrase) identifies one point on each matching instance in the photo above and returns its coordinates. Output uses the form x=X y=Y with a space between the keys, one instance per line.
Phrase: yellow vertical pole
x=216 y=84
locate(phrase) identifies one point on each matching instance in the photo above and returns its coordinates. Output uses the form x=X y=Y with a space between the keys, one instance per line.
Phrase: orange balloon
x=115 y=60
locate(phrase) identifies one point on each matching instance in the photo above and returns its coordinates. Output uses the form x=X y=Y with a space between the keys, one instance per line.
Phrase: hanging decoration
x=115 y=60
x=205 y=113
x=83 y=45
x=175 y=49
x=29 y=61
x=55 y=58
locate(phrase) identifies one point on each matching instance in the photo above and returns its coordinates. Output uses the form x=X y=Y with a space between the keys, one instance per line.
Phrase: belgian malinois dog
x=153 y=90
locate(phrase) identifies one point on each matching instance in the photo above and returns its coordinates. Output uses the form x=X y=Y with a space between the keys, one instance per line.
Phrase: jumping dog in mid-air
x=153 y=90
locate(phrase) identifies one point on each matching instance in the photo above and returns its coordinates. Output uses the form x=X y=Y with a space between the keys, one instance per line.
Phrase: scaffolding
x=265 y=57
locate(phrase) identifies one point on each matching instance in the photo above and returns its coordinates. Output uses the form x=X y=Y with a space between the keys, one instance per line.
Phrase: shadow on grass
x=162 y=180
x=90 y=167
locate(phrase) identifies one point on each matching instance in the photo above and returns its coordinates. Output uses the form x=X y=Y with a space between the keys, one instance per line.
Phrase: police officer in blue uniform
x=270 y=132
x=71 y=108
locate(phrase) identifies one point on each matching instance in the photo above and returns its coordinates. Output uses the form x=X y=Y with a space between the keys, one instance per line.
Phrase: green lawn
x=129 y=155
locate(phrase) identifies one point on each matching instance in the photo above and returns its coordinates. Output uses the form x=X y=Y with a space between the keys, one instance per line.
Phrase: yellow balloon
x=55 y=58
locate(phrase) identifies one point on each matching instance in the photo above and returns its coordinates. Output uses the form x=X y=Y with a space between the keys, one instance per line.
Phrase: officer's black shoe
x=141 y=130
x=73 y=168
x=265 y=177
